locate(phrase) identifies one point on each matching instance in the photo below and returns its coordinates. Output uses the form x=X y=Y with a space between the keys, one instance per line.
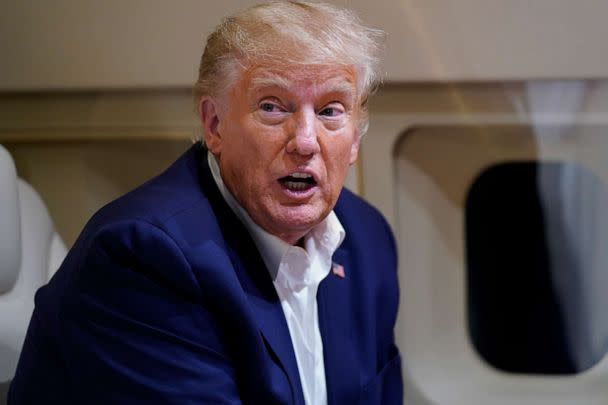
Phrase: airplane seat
x=30 y=252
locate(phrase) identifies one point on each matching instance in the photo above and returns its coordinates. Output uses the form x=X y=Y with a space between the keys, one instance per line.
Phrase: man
x=244 y=273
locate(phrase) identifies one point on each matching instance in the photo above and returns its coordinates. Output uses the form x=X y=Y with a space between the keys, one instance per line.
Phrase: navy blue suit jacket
x=165 y=299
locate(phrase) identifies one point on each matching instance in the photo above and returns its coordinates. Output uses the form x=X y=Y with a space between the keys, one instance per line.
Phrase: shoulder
x=175 y=203
x=175 y=190
x=371 y=246
x=363 y=223
x=148 y=231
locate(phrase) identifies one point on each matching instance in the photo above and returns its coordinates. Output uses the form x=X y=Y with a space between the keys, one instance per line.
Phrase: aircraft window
x=536 y=237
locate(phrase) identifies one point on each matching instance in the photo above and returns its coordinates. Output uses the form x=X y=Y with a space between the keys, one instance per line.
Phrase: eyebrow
x=334 y=85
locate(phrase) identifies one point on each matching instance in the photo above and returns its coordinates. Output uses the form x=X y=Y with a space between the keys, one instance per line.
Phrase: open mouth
x=298 y=182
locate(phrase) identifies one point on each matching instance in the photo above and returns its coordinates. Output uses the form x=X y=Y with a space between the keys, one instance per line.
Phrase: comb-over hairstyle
x=288 y=33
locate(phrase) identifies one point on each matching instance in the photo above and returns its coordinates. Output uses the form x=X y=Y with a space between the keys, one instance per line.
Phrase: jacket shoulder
x=369 y=237
x=176 y=189
x=355 y=213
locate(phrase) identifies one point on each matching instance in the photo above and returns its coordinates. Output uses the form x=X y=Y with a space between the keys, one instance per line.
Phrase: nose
x=304 y=135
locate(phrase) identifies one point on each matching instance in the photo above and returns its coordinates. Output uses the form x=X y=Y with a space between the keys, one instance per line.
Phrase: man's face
x=285 y=141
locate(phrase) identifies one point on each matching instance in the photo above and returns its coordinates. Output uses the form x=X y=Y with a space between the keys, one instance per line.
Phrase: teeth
x=299 y=175
x=294 y=185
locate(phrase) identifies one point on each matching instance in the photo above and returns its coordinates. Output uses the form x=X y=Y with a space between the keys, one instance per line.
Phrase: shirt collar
x=328 y=234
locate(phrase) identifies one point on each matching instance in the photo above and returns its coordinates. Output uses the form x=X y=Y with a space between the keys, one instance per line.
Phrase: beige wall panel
x=157 y=43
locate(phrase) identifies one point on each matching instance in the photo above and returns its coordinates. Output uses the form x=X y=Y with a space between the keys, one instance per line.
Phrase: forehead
x=301 y=78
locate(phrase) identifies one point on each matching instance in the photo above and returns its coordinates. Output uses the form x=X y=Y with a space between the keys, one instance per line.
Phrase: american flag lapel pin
x=338 y=270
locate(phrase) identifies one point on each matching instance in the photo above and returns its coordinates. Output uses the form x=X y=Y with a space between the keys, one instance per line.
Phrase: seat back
x=30 y=251
x=10 y=228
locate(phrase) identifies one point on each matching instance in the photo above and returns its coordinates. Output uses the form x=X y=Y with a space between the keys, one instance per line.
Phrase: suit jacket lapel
x=275 y=332
x=269 y=314
x=255 y=280
x=338 y=334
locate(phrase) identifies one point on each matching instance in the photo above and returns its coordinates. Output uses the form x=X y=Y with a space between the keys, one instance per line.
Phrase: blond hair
x=286 y=33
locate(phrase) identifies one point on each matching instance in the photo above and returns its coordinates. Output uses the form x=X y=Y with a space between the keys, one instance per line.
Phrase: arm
x=132 y=328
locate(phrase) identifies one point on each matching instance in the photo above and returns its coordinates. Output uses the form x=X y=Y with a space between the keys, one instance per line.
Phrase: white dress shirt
x=296 y=273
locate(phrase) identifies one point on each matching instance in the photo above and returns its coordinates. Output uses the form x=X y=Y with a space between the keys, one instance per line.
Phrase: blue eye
x=268 y=107
x=329 y=112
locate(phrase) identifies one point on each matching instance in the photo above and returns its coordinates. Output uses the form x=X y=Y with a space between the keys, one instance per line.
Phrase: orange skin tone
x=277 y=122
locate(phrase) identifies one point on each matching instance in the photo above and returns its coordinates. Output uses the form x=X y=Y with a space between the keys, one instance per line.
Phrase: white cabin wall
x=69 y=44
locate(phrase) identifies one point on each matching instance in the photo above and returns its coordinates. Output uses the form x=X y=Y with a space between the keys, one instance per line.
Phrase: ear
x=354 y=149
x=208 y=113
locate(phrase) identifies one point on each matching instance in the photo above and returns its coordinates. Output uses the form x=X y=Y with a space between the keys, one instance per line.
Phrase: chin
x=301 y=217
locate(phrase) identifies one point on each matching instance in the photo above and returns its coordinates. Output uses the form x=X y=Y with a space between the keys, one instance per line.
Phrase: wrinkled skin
x=273 y=123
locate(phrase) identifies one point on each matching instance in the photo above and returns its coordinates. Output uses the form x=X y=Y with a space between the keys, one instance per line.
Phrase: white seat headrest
x=10 y=227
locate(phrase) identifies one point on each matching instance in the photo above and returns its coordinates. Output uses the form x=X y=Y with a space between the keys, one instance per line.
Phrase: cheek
x=339 y=160
x=243 y=144
x=344 y=153
x=256 y=159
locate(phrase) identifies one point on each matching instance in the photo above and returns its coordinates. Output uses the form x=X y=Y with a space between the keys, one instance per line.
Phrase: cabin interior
x=486 y=153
